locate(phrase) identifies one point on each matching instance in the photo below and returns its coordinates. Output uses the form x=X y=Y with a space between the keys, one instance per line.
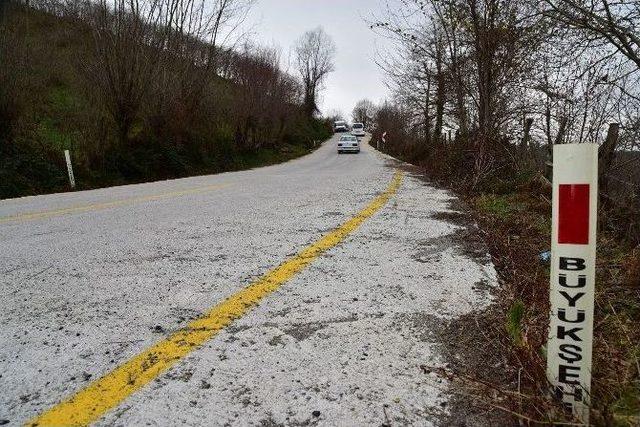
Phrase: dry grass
x=514 y=214
x=518 y=229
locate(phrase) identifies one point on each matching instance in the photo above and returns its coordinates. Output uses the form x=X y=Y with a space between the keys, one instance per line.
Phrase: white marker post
x=573 y=261
x=72 y=180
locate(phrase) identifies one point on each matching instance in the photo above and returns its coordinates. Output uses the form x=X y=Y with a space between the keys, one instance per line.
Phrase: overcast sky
x=282 y=22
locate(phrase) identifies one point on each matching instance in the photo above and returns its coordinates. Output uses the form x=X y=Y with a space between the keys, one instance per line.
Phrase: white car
x=348 y=144
x=357 y=129
x=340 y=126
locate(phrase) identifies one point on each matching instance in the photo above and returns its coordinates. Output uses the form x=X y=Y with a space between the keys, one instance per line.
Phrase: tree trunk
x=440 y=94
x=309 y=104
x=561 y=131
x=548 y=167
x=427 y=113
x=606 y=154
x=123 y=126
x=524 y=154
x=526 y=137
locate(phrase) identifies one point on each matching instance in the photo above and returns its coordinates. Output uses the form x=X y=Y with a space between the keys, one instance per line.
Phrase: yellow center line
x=105 y=393
x=106 y=205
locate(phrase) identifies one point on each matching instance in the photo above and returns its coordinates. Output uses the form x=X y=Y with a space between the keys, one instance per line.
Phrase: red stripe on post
x=573 y=215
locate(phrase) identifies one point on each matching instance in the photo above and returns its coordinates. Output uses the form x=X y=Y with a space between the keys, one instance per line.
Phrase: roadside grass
x=50 y=134
x=516 y=221
x=270 y=156
x=515 y=316
x=513 y=212
x=499 y=205
x=62 y=99
x=518 y=229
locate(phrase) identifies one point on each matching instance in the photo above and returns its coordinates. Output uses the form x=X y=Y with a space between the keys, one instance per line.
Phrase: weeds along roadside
x=517 y=225
x=514 y=215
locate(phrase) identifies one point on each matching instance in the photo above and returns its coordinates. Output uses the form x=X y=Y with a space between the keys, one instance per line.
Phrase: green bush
x=26 y=169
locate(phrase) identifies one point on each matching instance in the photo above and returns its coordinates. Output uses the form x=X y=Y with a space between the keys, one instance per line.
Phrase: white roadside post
x=573 y=260
x=72 y=180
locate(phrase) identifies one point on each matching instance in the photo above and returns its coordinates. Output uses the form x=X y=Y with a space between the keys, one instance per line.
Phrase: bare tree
x=335 y=115
x=463 y=63
x=604 y=50
x=263 y=99
x=199 y=35
x=314 y=56
x=416 y=70
x=364 y=112
x=172 y=44
x=614 y=23
x=127 y=36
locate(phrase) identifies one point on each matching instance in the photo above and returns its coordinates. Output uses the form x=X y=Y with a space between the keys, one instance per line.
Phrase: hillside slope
x=49 y=103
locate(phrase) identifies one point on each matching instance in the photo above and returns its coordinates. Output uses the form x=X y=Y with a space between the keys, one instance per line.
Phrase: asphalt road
x=92 y=280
